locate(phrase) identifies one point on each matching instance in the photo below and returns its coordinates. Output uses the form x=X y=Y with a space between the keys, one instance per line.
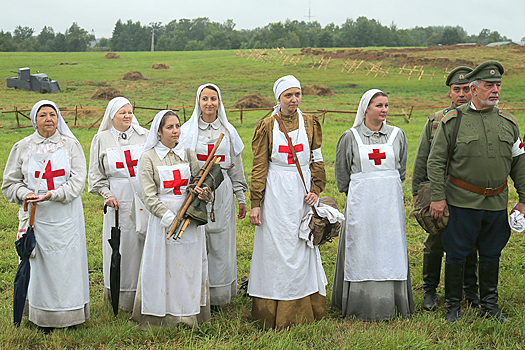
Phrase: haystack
x=133 y=75
x=317 y=90
x=111 y=55
x=253 y=101
x=106 y=93
x=160 y=66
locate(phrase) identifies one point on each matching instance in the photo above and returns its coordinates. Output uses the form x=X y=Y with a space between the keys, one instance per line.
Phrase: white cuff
x=317 y=156
x=167 y=219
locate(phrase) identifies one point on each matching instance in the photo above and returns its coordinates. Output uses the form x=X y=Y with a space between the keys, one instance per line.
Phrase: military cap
x=458 y=75
x=488 y=71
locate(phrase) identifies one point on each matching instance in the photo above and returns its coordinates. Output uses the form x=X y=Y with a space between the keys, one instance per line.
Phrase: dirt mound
x=66 y=64
x=111 y=55
x=160 y=66
x=106 y=93
x=253 y=101
x=317 y=90
x=133 y=75
x=393 y=55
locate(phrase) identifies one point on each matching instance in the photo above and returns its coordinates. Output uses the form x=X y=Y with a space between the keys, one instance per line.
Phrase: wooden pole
x=240 y=114
x=16 y=115
x=76 y=115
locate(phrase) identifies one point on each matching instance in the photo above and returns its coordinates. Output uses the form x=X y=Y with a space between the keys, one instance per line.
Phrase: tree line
x=203 y=34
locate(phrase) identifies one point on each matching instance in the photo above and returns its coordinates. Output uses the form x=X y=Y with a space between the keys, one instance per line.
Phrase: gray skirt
x=369 y=300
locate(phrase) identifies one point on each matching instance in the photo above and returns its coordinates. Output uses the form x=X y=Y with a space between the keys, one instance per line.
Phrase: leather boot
x=488 y=287
x=453 y=291
x=431 y=272
x=470 y=280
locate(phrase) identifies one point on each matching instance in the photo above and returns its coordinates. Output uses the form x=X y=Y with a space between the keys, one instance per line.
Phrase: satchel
x=139 y=214
x=422 y=211
x=322 y=230
x=422 y=205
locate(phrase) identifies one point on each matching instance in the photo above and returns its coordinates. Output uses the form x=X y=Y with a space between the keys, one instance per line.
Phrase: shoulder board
x=508 y=116
x=450 y=115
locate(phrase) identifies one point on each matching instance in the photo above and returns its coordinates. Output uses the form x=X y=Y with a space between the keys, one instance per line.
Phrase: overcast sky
x=507 y=16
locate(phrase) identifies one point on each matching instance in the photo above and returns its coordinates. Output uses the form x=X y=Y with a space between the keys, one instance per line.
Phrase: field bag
x=139 y=215
x=321 y=230
x=422 y=205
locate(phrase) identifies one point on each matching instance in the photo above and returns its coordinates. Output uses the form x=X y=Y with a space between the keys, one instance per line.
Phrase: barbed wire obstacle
x=377 y=69
x=270 y=56
x=418 y=70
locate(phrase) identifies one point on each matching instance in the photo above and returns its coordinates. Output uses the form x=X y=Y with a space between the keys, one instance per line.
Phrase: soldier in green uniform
x=433 y=246
x=488 y=150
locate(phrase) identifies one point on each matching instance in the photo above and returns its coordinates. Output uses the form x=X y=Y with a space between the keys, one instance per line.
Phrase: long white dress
x=372 y=280
x=172 y=285
x=285 y=267
x=221 y=234
x=108 y=177
x=58 y=294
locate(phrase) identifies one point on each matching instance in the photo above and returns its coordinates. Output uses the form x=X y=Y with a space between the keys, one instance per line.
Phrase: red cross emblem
x=204 y=157
x=376 y=156
x=286 y=149
x=176 y=183
x=521 y=143
x=129 y=162
x=49 y=175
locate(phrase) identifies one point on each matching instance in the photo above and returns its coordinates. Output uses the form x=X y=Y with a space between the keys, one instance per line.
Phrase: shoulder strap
x=437 y=118
x=453 y=141
x=121 y=154
x=48 y=158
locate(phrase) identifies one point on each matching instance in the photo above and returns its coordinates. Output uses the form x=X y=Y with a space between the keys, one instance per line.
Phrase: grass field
x=238 y=76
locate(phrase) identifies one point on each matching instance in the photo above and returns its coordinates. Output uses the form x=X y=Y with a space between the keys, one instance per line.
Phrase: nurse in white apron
x=287 y=280
x=200 y=133
x=115 y=152
x=173 y=279
x=372 y=279
x=49 y=169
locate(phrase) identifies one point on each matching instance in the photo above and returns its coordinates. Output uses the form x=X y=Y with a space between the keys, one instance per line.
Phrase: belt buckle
x=489 y=190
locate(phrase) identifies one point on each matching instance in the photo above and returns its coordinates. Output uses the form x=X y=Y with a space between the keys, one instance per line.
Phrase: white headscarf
x=113 y=106
x=281 y=85
x=61 y=124
x=363 y=105
x=190 y=130
x=153 y=136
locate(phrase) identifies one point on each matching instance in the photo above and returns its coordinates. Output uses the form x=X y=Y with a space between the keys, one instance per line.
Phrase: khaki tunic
x=482 y=157
x=262 y=146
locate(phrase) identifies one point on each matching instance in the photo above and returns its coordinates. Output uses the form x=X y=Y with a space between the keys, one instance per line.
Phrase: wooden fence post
x=240 y=115
x=16 y=115
x=184 y=112
x=76 y=115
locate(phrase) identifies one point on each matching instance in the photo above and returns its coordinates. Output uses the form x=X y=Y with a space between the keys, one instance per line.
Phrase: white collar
x=162 y=150
x=472 y=106
x=216 y=124
x=55 y=138
x=120 y=134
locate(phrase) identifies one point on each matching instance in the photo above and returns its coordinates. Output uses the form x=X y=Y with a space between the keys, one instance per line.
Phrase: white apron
x=376 y=247
x=59 y=271
x=174 y=272
x=283 y=266
x=131 y=243
x=220 y=235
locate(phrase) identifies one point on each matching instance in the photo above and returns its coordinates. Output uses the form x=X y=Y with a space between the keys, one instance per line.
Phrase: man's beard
x=489 y=102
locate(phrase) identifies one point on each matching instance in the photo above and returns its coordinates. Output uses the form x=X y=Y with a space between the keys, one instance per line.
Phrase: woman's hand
x=113 y=203
x=255 y=216
x=311 y=198
x=242 y=211
x=33 y=198
x=203 y=194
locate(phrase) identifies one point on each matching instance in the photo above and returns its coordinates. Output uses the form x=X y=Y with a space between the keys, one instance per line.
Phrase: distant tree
x=60 y=43
x=130 y=36
x=77 y=39
x=46 y=38
x=451 y=36
x=194 y=45
x=6 y=42
x=102 y=42
x=22 y=33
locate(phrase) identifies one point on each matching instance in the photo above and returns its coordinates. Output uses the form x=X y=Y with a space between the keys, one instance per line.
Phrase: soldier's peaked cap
x=488 y=71
x=458 y=75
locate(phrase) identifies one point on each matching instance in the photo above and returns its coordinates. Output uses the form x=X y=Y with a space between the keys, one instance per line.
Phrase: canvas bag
x=138 y=214
x=422 y=205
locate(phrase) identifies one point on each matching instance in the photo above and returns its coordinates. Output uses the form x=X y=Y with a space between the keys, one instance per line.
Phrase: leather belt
x=489 y=192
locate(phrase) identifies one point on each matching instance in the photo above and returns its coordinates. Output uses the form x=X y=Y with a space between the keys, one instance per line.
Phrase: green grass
x=238 y=76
